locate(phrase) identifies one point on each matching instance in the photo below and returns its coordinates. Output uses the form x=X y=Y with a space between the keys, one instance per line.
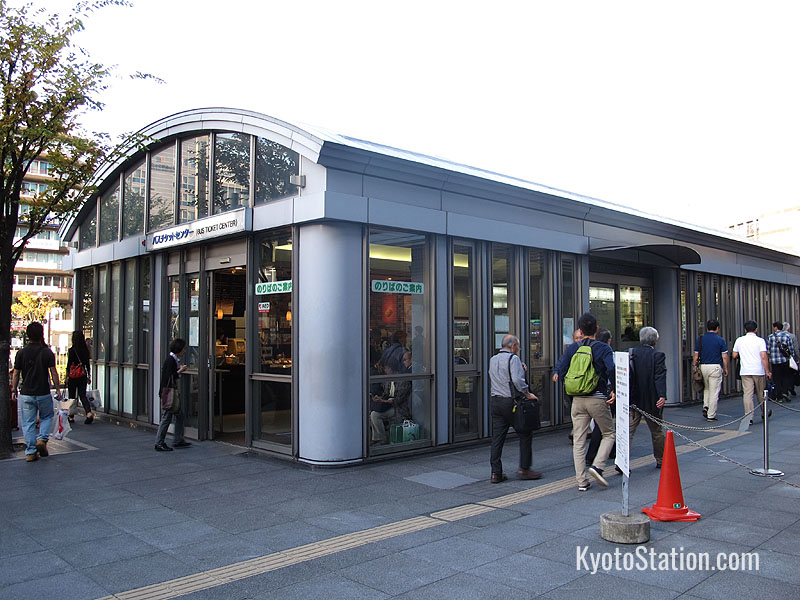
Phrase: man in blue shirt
x=711 y=352
x=592 y=406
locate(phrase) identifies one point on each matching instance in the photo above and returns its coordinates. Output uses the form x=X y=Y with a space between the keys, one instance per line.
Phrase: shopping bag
x=61 y=426
x=407 y=431
x=94 y=399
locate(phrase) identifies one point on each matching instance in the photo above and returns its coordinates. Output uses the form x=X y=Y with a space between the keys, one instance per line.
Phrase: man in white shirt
x=752 y=351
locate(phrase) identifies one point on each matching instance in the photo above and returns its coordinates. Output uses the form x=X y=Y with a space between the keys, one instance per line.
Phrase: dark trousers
x=78 y=387
x=502 y=419
x=782 y=377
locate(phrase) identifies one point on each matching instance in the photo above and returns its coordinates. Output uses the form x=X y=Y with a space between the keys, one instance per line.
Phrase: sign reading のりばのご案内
x=273 y=287
x=219 y=225
x=397 y=287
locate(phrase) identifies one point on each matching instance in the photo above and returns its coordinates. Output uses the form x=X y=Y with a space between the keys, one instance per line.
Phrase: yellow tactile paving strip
x=272 y=562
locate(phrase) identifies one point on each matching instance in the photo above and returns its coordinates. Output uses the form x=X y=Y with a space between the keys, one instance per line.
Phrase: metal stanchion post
x=766 y=471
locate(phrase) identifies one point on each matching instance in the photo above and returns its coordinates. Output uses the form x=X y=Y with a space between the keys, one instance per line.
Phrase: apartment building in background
x=777 y=228
x=39 y=270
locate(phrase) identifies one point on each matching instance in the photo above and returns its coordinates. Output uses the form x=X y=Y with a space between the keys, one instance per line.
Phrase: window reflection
x=275 y=164
x=133 y=202
x=162 y=188
x=275 y=305
x=109 y=216
x=194 y=179
x=88 y=235
x=231 y=171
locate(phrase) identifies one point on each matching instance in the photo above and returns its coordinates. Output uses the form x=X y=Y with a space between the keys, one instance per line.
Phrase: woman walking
x=77 y=376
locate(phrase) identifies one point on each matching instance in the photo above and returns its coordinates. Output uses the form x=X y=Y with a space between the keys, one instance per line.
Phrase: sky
x=683 y=109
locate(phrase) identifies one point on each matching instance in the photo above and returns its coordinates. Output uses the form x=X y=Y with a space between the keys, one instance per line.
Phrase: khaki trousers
x=712 y=378
x=753 y=386
x=584 y=409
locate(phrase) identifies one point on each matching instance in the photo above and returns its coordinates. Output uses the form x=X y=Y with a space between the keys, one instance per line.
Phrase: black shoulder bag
x=526 y=412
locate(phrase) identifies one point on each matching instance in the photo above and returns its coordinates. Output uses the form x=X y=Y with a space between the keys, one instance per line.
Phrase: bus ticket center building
x=290 y=258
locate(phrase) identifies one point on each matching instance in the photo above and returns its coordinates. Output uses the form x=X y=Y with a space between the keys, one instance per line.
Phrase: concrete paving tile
x=287 y=535
x=465 y=586
x=493 y=517
x=103 y=550
x=458 y=553
x=771 y=518
x=784 y=542
x=565 y=548
x=310 y=506
x=347 y=558
x=14 y=542
x=726 y=531
x=779 y=566
x=64 y=586
x=140 y=520
x=325 y=586
x=120 y=504
x=532 y=574
x=248 y=519
x=744 y=586
x=555 y=519
x=510 y=535
x=178 y=534
x=69 y=532
x=211 y=554
x=601 y=586
x=444 y=480
x=122 y=575
x=424 y=537
x=34 y=565
x=347 y=521
x=396 y=510
x=396 y=573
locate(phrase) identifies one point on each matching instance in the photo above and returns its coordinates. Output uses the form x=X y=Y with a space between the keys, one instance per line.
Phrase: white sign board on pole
x=622 y=404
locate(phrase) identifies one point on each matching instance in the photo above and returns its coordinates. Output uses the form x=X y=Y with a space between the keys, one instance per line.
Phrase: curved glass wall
x=88 y=234
x=162 y=188
x=109 y=216
x=275 y=165
x=231 y=171
x=194 y=179
x=133 y=192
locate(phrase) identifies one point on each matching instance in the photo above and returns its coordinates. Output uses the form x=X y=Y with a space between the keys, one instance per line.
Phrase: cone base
x=660 y=513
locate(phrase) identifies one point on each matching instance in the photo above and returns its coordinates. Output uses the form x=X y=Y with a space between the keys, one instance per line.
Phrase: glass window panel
x=501 y=292
x=130 y=312
x=231 y=171
x=194 y=179
x=568 y=312
x=275 y=324
x=275 y=414
x=88 y=234
x=190 y=398
x=466 y=405
x=162 y=188
x=127 y=390
x=174 y=309
x=87 y=304
x=412 y=396
x=113 y=389
x=109 y=216
x=540 y=386
x=275 y=164
x=144 y=316
x=133 y=201
x=539 y=320
x=100 y=383
x=634 y=313
x=192 y=338
x=400 y=296
x=463 y=305
x=116 y=280
x=102 y=312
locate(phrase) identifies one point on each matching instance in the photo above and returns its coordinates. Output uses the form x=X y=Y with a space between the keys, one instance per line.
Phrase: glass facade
x=231 y=171
x=399 y=313
x=162 y=188
x=88 y=232
x=194 y=179
x=109 y=216
x=275 y=164
x=133 y=194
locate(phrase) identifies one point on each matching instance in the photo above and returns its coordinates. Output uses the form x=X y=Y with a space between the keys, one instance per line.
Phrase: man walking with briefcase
x=507 y=374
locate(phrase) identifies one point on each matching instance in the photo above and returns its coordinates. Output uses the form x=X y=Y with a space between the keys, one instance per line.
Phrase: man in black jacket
x=649 y=387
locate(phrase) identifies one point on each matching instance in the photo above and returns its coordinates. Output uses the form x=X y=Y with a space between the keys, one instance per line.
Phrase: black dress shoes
x=498 y=477
x=162 y=447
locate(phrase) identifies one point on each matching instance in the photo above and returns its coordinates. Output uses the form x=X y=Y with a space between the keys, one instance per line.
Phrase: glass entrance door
x=622 y=309
x=228 y=351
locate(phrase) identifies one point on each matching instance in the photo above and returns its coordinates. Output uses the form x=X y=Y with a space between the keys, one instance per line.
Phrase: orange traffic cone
x=669 y=506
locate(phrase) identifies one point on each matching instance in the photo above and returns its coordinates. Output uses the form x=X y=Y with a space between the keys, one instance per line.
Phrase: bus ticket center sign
x=219 y=225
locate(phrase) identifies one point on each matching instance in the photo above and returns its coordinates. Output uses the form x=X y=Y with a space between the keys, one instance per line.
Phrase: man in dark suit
x=648 y=388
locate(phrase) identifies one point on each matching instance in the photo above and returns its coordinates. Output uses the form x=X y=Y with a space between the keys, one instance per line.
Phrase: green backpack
x=581 y=378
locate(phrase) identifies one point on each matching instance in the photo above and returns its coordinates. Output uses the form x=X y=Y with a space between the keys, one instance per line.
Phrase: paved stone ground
x=105 y=514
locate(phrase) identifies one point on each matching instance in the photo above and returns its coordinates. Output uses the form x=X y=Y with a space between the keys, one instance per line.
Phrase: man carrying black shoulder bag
x=511 y=405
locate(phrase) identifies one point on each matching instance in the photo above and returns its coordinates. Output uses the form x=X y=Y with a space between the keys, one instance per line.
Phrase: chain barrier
x=669 y=425
x=783 y=405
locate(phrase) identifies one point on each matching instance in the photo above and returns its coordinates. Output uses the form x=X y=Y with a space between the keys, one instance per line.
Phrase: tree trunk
x=6 y=297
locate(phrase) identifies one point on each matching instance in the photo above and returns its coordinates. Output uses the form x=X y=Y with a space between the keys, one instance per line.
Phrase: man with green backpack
x=587 y=370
